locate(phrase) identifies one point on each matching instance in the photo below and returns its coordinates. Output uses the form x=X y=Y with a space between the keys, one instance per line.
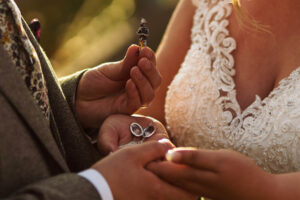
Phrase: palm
x=115 y=131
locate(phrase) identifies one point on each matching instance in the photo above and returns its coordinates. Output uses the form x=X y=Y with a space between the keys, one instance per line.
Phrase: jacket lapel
x=14 y=88
x=80 y=154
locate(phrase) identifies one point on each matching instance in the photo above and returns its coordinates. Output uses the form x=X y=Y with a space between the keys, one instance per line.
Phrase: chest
x=252 y=79
x=199 y=115
x=221 y=100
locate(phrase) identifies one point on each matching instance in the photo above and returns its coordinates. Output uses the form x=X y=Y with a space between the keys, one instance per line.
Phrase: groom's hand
x=115 y=131
x=127 y=177
x=117 y=88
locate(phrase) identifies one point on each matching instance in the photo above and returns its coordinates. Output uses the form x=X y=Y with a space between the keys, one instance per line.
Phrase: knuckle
x=133 y=71
x=142 y=61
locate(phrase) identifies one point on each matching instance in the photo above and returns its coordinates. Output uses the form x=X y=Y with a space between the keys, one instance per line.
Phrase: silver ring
x=149 y=131
x=136 y=129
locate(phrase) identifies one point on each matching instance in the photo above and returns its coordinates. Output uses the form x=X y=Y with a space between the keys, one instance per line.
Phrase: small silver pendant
x=149 y=131
x=136 y=129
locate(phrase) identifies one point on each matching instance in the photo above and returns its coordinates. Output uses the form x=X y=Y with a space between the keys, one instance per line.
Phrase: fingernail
x=165 y=140
x=172 y=155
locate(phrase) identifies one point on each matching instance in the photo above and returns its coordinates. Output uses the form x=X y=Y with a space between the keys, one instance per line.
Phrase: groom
x=44 y=148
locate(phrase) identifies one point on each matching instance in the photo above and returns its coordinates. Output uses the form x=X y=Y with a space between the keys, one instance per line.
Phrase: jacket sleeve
x=62 y=187
x=69 y=86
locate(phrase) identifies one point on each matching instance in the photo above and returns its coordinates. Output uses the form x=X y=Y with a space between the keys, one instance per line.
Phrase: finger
x=151 y=151
x=148 y=53
x=204 y=159
x=150 y=72
x=120 y=71
x=167 y=191
x=107 y=141
x=183 y=176
x=144 y=87
x=157 y=137
x=197 y=182
x=130 y=60
x=133 y=100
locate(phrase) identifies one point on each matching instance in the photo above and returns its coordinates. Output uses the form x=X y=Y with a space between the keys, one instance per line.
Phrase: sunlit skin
x=112 y=136
x=261 y=61
x=121 y=88
x=126 y=173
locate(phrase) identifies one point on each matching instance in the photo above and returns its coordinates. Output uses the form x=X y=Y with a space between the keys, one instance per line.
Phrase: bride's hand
x=220 y=174
x=115 y=131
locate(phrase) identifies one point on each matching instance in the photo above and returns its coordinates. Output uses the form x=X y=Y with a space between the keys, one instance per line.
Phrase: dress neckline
x=220 y=45
x=281 y=84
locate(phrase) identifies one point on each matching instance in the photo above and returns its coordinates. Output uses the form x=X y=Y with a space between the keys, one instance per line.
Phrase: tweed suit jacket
x=38 y=161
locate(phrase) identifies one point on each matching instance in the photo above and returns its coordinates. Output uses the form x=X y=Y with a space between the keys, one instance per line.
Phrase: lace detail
x=201 y=106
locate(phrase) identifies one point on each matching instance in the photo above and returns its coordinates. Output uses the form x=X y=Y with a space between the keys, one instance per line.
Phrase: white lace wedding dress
x=201 y=106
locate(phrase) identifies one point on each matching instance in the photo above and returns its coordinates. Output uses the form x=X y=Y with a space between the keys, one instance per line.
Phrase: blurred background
x=77 y=34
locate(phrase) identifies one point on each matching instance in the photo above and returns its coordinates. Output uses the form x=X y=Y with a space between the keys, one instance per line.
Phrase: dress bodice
x=201 y=106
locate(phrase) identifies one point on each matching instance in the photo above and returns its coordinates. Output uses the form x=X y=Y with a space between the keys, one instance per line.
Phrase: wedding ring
x=136 y=129
x=149 y=131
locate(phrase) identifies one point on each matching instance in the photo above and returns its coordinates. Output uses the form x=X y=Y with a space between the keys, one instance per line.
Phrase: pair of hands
x=125 y=86
x=125 y=169
x=216 y=174
x=122 y=88
x=221 y=174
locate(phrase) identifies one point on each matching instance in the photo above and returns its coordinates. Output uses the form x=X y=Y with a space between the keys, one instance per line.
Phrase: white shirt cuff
x=98 y=181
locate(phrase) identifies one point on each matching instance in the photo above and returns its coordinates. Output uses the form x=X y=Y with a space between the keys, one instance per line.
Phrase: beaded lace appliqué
x=201 y=106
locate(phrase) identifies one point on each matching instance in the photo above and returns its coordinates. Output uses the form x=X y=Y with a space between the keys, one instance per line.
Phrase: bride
x=231 y=80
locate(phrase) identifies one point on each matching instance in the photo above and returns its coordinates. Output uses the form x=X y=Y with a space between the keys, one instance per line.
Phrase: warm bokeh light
x=97 y=38
x=83 y=33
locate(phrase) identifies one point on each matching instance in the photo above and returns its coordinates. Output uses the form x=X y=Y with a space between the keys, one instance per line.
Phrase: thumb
x=120 y=71
x=107 y=140
x=151 y=151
